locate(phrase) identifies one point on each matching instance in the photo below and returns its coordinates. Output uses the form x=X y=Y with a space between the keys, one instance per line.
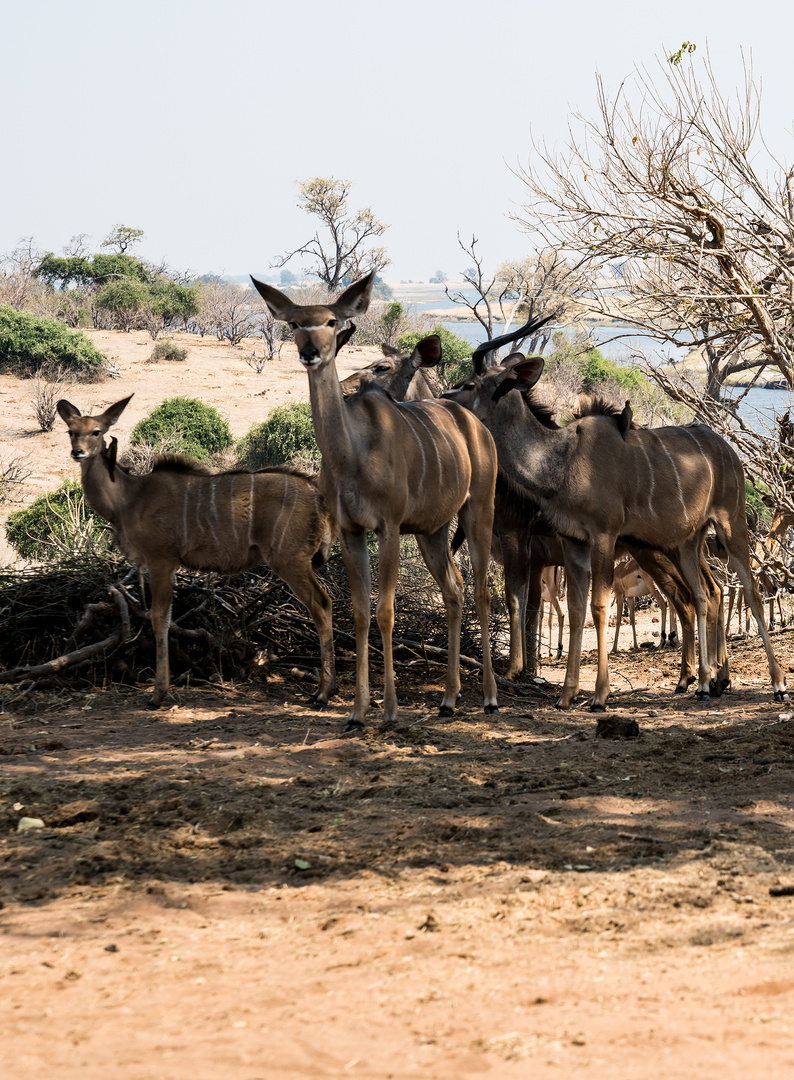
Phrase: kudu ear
x=355 y=299
x=278 y=303
x=67 y=411
x=522 y=372
x=110 y=416
x=344 y=336
x=389 y=350
x=427 y=352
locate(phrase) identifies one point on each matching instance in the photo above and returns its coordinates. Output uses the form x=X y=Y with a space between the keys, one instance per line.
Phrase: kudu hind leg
x=435 y=551
x=300 y=577
x=478 y=529
x=737 y=544
x=388 y=571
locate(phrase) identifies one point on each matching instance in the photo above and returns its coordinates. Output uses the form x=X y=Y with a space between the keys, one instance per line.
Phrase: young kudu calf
x=602 y=486
x=181 y=515
x=629 y=583
x=394 y=468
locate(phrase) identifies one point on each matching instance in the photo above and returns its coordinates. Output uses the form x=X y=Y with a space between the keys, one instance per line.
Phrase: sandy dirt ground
x=231 y=886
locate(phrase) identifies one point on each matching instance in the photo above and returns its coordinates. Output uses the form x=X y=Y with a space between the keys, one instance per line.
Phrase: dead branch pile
x=85 y=620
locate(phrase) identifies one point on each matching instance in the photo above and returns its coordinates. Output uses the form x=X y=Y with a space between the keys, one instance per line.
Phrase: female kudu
x=395 y=468
x=181 y=515
x=642 y=488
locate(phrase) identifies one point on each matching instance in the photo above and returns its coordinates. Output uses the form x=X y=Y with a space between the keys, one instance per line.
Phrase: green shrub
x=56 y=524
x=197 y=429
x=286 y=434
x=167 y=350
x=453 y=348
x=595 y=368
x=29 y=345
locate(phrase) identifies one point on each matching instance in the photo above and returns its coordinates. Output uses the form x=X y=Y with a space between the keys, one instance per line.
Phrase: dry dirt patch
x=231 y=884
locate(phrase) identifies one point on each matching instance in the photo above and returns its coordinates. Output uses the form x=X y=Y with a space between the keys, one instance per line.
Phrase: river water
x=758 y=408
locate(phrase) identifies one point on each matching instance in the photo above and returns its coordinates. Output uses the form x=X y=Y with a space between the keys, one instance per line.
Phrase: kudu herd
x=398 y=459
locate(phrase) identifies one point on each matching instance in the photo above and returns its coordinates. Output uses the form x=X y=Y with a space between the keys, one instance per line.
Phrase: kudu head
x=87 y=433
x=487 y=385
x=319 y=330
x=395 y=370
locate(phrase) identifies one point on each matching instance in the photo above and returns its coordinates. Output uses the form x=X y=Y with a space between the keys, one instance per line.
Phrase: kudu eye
x=292 y=325
x=97 y=432
x=331 y=322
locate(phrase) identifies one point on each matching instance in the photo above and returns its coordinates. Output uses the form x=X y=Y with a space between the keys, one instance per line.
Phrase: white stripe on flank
x=291 y=505
x=652 y=482
x=415 y=415
x=251 y=514
x=672 y=461
x=705 y=457
x=185 y=500
x=233 y=513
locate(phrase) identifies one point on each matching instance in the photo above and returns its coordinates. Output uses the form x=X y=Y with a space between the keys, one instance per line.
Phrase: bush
x=288 y=433
x=596 y=369
x=56 y=524
x=29 y=345
x=198 y=430
x=167 y=350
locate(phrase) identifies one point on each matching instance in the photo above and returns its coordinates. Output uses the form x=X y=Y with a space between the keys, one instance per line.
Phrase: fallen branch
x=118 y=637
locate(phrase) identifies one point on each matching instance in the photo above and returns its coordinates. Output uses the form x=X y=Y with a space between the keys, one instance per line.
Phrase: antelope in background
x=182 y=515
x=629 y=583
x=552 y=590
x=394 y=468
x=401 y=374
x=646 y=488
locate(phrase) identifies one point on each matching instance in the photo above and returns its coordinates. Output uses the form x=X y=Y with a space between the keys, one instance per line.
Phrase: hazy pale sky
x=193 y=120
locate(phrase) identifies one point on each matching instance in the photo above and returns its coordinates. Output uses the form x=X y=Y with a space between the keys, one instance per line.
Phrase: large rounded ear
x=354 y=300
x=344 y=336
x=67 y=411
x=278 y=303
x=427 y=352
x=111 y=415
x=521 y=373
x=388 y=350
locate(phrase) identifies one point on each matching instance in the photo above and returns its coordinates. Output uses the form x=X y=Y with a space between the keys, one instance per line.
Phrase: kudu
x=524 y=552
x=642 y=488
x=552 y=590
x=402 y=375
x=182 y=515
x=629 y=583
x=394 y=468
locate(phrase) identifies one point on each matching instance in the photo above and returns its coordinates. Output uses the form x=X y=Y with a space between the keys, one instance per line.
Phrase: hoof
x=315 y=703
x=153 y=706
x=353 y=725
x=594 y=707
x=680 y=689
x=445 y=710
x=781 y=695
x=491 y=709
x=725 y=684
x=702 y=695
x=715 y=688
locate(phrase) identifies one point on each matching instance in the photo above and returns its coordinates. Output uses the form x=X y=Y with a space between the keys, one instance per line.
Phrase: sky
x=194 y=121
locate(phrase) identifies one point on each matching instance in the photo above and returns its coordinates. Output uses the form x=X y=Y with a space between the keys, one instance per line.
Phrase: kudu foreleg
x=388 y=571
x=356 y=559
x=577 y=572
x=602 y=563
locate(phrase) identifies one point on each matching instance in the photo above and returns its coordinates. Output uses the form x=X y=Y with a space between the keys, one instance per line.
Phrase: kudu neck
x=334 y=428
x=106 y=487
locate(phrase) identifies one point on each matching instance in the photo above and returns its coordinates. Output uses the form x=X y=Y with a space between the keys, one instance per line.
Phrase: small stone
x=25 y=824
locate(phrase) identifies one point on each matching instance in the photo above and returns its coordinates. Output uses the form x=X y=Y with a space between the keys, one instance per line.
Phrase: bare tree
x=18 y=286
x=541 y=285
x=341 y=247
x=662 y=199
x=226 y=311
